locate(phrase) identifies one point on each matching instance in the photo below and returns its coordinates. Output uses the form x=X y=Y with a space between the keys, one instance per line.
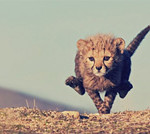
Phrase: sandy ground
x=33 y=121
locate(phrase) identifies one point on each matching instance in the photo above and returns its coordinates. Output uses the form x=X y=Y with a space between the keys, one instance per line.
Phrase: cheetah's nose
x=99 y=68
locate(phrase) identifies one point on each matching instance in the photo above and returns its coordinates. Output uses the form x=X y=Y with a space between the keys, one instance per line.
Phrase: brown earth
x=33 y=121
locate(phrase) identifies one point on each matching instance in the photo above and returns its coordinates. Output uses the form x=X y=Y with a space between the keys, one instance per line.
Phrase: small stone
x=96 y=114
x=74 y=114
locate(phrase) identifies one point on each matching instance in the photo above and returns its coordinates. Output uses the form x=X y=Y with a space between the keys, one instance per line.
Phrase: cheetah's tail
x=137 y=40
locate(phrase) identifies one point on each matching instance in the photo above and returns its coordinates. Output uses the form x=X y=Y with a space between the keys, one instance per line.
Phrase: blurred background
x=38 y=45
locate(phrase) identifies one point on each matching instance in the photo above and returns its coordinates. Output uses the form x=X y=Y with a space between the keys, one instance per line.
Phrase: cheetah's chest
x=98 y=83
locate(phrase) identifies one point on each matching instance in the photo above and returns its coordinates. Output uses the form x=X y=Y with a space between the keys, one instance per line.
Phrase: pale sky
x=38 y=45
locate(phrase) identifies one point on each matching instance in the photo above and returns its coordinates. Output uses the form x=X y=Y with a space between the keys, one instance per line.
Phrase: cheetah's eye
x=106 y=58
x=91 y=58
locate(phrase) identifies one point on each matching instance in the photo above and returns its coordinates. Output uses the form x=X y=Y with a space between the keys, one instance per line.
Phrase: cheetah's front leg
x=108 y=101
x=95 y=96
x=76 y=84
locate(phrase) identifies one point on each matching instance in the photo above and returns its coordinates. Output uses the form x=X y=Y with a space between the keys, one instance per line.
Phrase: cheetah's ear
x=120 y=44
x=81 y=44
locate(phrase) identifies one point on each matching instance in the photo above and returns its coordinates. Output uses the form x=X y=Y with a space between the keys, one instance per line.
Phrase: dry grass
x=27 y=121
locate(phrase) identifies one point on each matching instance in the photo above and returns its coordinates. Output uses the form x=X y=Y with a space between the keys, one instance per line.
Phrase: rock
x=74 y=114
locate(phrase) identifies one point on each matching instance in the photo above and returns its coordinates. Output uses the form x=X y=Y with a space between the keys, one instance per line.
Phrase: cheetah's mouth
x=99 y=74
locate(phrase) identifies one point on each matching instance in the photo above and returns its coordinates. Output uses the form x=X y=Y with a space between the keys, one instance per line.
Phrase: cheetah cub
x=102 y=63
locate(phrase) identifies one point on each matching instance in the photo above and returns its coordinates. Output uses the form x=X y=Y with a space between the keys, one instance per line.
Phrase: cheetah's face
x=100 y=57
x=99 y=63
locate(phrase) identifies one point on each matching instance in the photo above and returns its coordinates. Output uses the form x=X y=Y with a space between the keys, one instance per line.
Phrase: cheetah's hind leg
x=76 y=84
x=124 y=88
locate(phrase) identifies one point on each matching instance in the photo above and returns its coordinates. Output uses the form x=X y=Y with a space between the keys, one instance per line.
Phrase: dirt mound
x=27 y=121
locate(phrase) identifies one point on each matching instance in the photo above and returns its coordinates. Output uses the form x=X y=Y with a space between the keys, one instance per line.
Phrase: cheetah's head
x=101 y=53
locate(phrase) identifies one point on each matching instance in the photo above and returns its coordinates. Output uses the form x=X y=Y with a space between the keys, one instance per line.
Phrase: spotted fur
x=103 y=63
